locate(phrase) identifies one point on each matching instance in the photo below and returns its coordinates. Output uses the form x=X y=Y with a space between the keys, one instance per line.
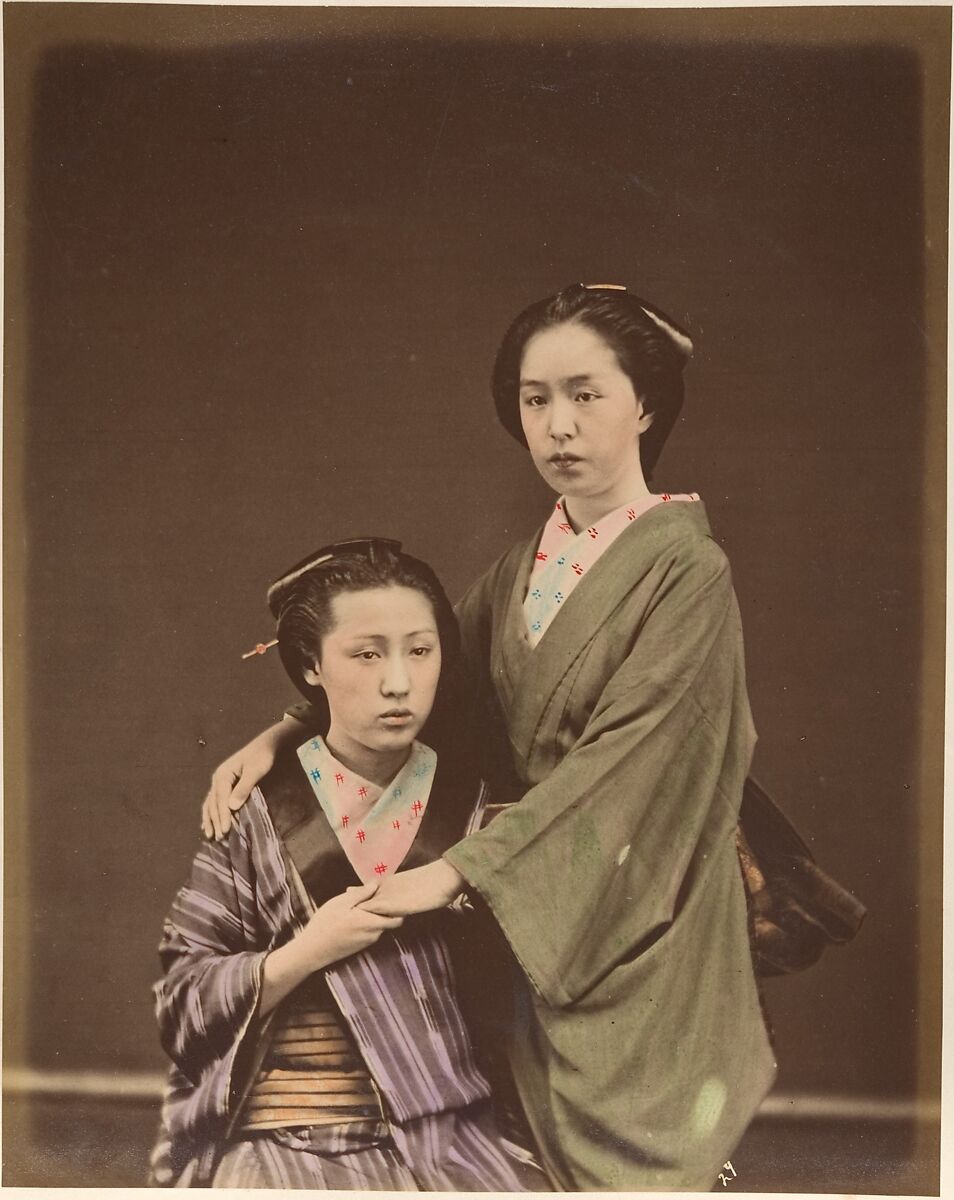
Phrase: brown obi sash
x=795 y=908
x=312 y=1073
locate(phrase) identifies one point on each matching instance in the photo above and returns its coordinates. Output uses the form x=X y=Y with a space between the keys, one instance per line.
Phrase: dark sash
x=796 y=908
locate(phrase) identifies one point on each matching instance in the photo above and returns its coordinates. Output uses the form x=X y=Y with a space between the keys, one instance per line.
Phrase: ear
x=645 y=419
x=312 y=675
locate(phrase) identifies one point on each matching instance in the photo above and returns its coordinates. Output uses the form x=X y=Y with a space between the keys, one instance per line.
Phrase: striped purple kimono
x=436 y=1130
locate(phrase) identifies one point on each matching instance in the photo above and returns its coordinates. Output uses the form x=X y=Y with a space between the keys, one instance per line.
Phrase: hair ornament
x=260 y=648
x=679 y=338
x=366 y=546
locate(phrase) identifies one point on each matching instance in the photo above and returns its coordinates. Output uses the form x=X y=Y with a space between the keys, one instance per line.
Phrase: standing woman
x=608 y=651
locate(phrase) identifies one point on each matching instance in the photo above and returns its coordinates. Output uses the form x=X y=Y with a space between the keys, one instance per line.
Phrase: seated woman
x=317 y=1044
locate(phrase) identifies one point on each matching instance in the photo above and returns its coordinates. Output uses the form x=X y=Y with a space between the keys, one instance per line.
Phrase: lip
x=564 y=460
x=397 y=716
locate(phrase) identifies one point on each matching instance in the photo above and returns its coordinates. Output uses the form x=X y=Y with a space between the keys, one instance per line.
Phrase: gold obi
x=312 y=1072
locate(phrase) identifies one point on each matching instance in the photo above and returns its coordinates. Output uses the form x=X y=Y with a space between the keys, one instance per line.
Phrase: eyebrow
x=381 y=637
x=573 y=380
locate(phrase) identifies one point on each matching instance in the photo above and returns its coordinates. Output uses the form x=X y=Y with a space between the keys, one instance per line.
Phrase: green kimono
x=638 y=1043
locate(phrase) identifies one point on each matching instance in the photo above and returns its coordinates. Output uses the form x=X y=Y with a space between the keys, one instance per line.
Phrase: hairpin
x=360 y=545
x=679 y=338
x=260 y=648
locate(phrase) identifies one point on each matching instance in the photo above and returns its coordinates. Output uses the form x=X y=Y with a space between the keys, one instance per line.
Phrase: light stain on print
x=709 y=1105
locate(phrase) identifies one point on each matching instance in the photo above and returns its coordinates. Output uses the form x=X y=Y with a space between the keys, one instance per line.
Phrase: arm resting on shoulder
x=233 y=779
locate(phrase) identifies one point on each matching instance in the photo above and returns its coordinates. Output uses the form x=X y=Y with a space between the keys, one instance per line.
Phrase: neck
x=583 y=511
x=377 y=766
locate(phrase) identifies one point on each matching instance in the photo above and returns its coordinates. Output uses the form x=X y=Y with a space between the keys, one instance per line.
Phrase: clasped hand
x=353 y=921
x=338 y=929
x=416 y=891
x=344 y=925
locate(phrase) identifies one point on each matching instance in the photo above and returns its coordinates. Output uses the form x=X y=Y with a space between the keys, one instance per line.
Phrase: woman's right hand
x=335 y=931
x=233 y=780
x=341 y=928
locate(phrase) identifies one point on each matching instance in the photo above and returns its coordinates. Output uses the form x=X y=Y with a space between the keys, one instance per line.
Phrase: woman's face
x=580 y=414
x=379 y=667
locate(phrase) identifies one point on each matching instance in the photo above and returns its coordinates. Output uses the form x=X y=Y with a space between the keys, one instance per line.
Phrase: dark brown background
x=258 y=264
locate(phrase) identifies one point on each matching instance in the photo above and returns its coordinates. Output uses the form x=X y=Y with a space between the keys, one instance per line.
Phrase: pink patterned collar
x=376 y=826
x=564 y=556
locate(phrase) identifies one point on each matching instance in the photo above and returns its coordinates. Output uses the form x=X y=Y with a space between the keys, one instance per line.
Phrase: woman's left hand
x=419 y=890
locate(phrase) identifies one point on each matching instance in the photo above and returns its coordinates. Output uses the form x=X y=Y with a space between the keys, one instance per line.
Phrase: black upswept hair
x=649 y=346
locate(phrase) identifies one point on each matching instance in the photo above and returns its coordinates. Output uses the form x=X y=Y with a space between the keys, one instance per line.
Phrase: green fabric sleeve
x=476 y=609
x=475 y=616
x=474 y=613
x=588 y=866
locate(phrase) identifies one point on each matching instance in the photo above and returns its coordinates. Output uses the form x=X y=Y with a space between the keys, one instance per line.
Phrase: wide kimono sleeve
x=212 y=951
x=591 y=865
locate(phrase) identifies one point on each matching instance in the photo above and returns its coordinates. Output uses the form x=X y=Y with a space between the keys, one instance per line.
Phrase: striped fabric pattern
x=234 y=908
x=451 y=1152
x=398 y=999
x=290 y=1161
